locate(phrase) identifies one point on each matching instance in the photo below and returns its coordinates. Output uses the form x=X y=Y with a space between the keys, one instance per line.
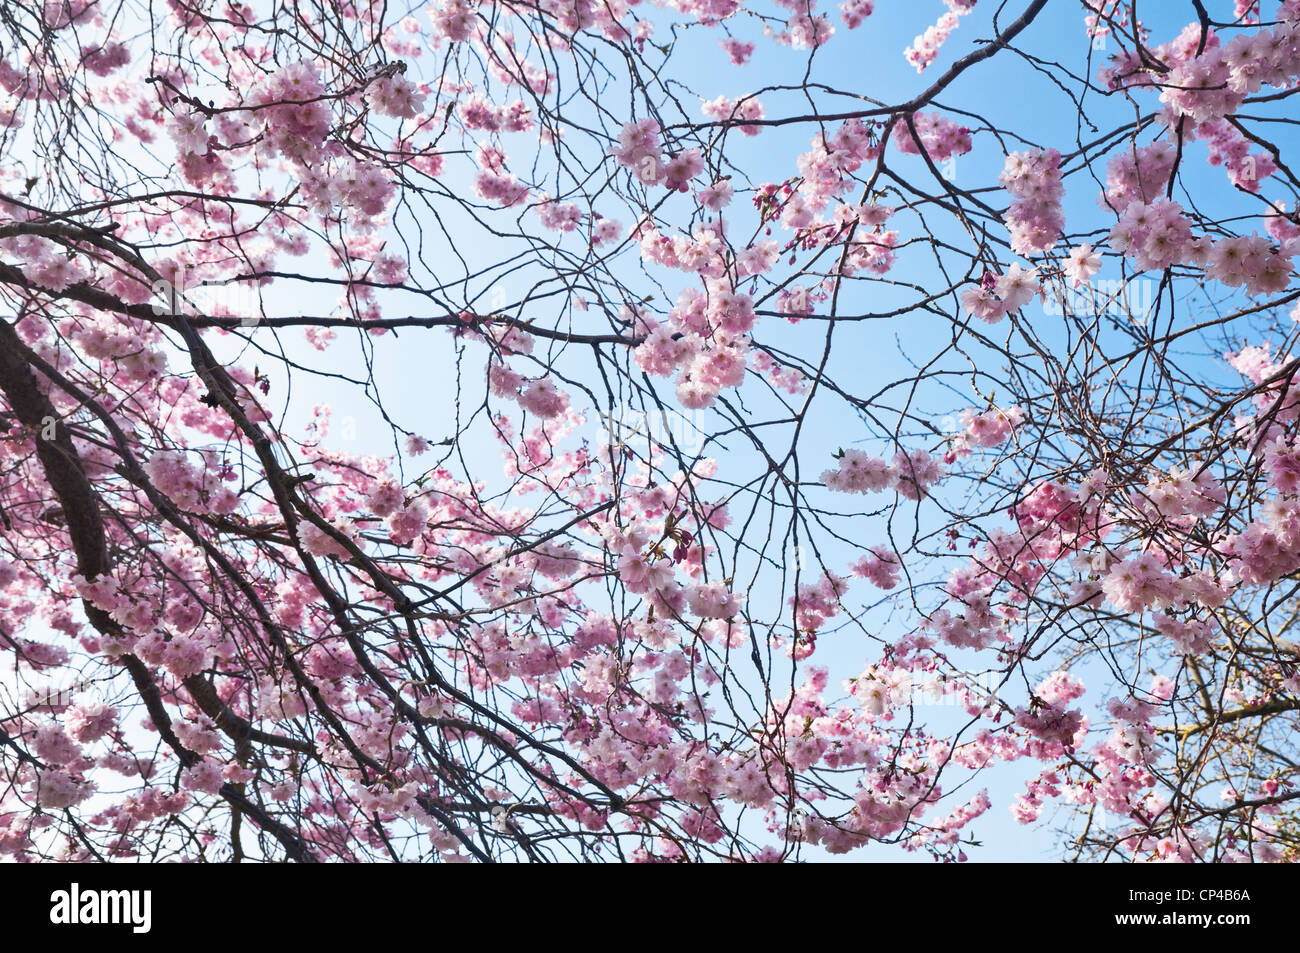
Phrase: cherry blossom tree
x=613 y=431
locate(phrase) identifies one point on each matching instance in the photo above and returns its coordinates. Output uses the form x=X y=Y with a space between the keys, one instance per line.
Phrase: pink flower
x=915 y=473
x=939 y=137
x=1017 y=287
x=394 y=96
x=542 y=398
x=453 y=19
x=89 y=720
x=1082 y=264
x=681 y=168
x=926 y=46
x=634 y=570
x=859 y=473
x=204 y=777
x=500 y=188
x=981 y=303
x=738 y=52
x=1139 y=582
x=558 y=216
x=52 y=745
x=855 y=12
x=604 y=231
x=56 y=789
x=638 y=148
x=1035 y=218
x=716 y=196
x=881 y=568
